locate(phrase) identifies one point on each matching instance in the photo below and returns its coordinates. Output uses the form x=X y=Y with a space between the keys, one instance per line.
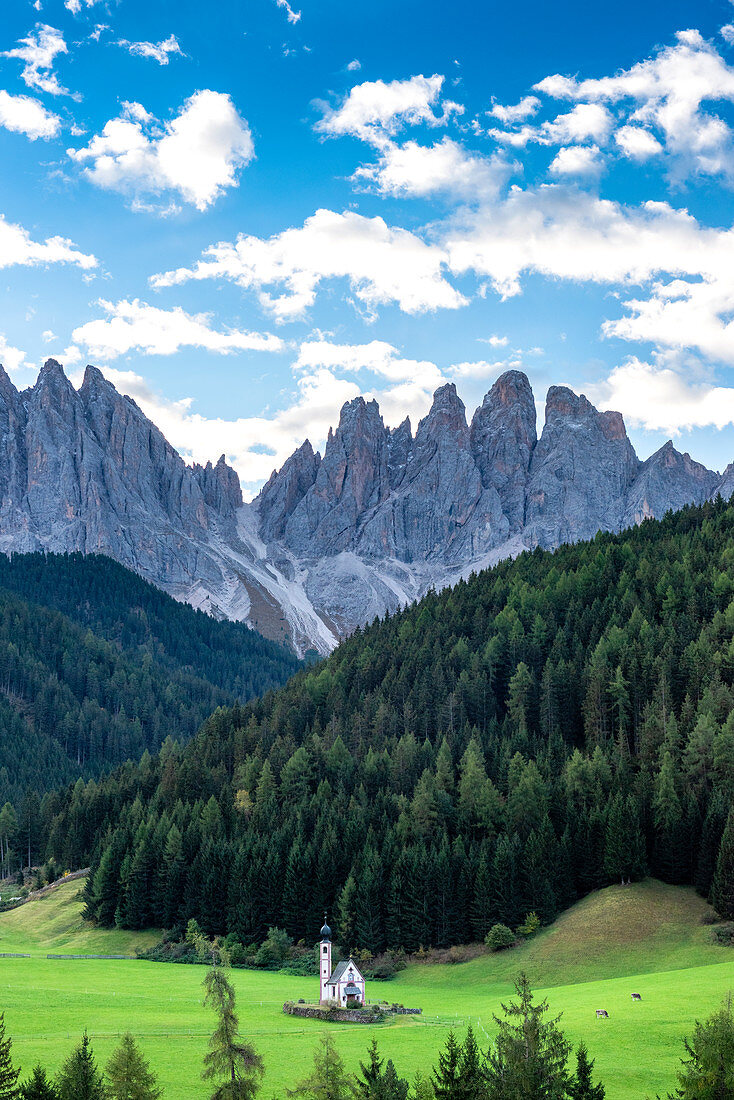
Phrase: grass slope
x=645 y=938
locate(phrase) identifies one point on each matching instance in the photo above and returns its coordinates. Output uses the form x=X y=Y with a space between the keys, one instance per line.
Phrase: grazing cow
x=602 y=1012
x=636 y=996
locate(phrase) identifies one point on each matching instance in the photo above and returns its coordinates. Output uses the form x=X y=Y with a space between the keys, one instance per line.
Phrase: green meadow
x=647 y=939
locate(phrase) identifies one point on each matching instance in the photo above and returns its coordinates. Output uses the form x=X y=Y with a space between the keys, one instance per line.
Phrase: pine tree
x=8 y=1075
x=446 y=1076
x=79 y=1078
x=722 y=890
x=229 y=1057
x=38 y=1086
x=376 y=1083
x=528 y=1058
x=582 y=1087
x=328 y=1079
x=128 y=1074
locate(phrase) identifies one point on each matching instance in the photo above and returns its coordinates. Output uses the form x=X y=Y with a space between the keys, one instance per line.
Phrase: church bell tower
x=324 y=962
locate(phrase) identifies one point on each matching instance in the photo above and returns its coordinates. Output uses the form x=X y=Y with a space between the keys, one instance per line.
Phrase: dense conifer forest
x=552 y=725
x=97 y=665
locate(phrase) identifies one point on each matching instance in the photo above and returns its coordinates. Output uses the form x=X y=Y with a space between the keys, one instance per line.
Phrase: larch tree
x=231 y=1061
x=128 y=1073
x=328 y=1079
x=708 y=1065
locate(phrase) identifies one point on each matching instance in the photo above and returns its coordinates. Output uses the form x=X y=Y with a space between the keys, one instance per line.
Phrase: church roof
x=341 y=969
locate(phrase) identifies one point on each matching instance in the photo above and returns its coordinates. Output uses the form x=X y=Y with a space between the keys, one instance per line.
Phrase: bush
x=723 y=934
x=499 y=937
x=275 y=949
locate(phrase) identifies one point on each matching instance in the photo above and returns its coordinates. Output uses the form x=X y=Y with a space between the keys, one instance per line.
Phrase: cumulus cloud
x=727 y=33
x=444 y=167
x=156 y=51
x=585 y=122
x=637 y=143
x=13 y=359
x=195 y=156
x=38 y=52
x=382 y=264
x=18 y=248
x=24 y=115
x=577 y=160
x=661 y=398
x=137 y=326
x=376 y=110
x=517 y=112
x=665 y=95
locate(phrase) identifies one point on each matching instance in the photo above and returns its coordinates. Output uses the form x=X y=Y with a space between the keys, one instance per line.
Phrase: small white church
x=344 y=985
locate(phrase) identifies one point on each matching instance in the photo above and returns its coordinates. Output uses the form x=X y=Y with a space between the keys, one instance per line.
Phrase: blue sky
x=247 y=213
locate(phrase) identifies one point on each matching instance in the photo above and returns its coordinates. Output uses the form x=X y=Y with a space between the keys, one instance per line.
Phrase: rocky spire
x=285 y=489
x=580 y=472
x=668 y=479
x=502 y=438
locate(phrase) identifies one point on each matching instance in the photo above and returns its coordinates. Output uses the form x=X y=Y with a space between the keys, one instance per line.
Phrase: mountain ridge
x=332 y=540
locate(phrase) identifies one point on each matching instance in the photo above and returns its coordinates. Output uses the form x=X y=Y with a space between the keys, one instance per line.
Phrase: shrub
x=723 y=934
x=499 y=937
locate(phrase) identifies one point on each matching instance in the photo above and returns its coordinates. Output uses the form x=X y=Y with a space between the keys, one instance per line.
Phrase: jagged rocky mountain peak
x=333 y=540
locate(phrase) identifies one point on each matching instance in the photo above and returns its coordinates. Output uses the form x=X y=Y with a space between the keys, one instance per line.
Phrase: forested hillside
x=557 y=723
x=97 y=665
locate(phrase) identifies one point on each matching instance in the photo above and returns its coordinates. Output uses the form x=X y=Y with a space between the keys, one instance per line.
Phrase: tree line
x=97 y=665
x=547 y=727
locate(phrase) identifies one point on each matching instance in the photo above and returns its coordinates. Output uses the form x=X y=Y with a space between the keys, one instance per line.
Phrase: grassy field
x=646 y=939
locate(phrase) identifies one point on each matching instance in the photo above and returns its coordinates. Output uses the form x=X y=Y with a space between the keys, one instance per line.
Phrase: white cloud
x=137 y=326
x=418 y=170
x=376 y=110
x=665 y=93
x=38 y=52
x=662 y=399
x=637 y=143
x=156 y=51
x=291 y=15
x=577 y=160
x=727 y=33
x=585 y=122
x=75 y=6
x=17 y=247
x=564 y=233
x=354 y=66
x=494 y=341
x=517 y=112
x=13 y=359
x=196 y=155
x=383 y=264
x=24 y=115
x=683 y=314
x=480 y=370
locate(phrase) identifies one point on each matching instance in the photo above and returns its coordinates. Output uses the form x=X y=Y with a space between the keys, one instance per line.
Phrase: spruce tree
x=722 y=890
x=8 y=1074
x=582 y=1086
x=446 y=1075
x=708 y=1068
x=79 y=1078
x=38 y=1086
x=128 y=1074
x=472 y=1084
x=230 y=1058
x=529 y=1056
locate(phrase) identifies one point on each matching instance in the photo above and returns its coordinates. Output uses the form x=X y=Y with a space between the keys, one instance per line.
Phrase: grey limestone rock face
x=351 y=480
x=667 y=480
x=330 y=542
x=580 y=473
x=503 y=437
